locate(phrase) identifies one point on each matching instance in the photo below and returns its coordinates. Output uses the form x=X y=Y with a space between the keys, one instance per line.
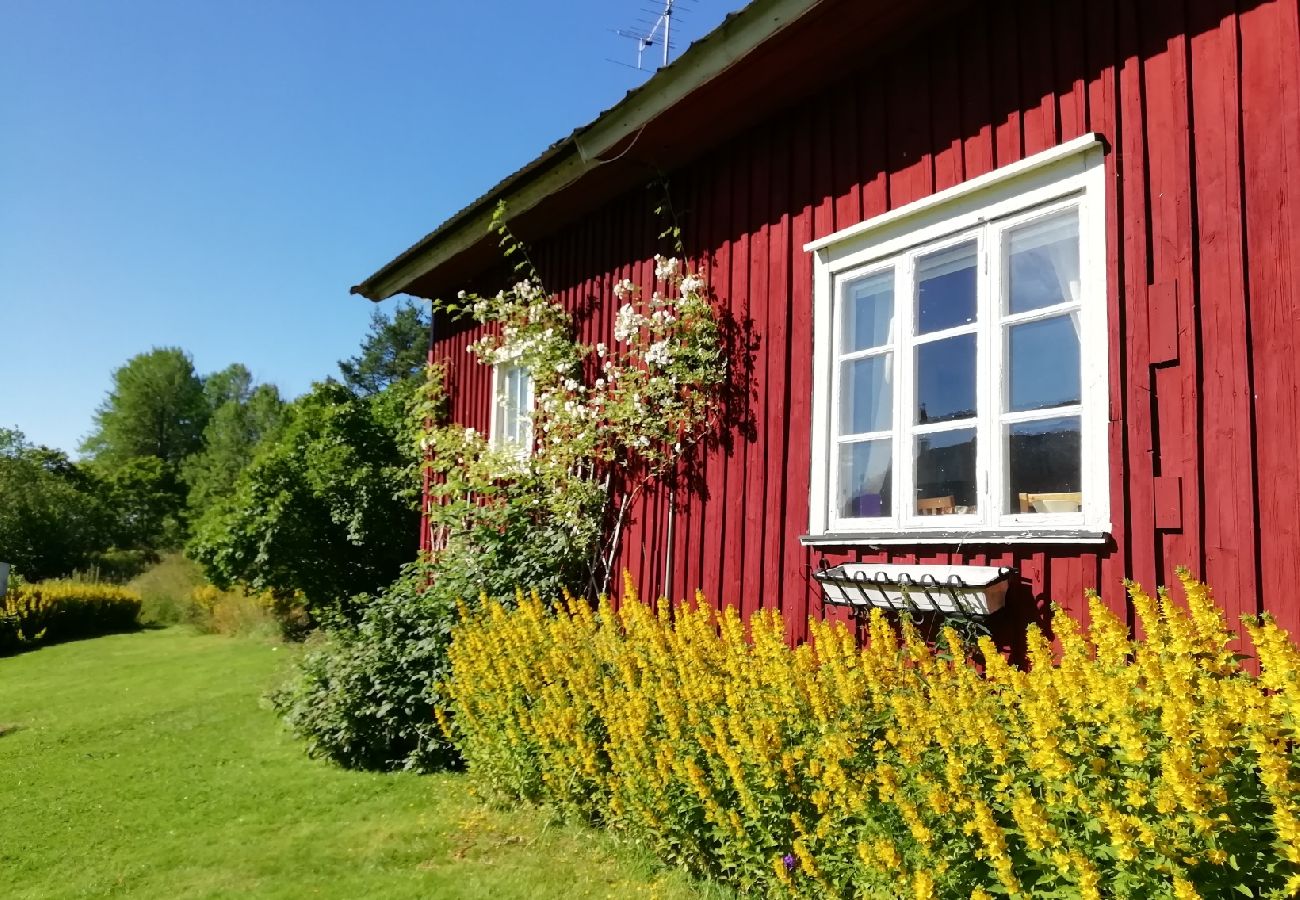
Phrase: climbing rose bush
x=608 y=420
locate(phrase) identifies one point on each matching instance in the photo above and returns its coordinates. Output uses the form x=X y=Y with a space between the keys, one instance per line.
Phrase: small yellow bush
x=1146 y=769
x=232 y=612
x=50 y=611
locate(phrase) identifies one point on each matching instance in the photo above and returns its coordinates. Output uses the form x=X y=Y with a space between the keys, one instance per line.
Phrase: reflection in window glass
x=866 y=468
x=1044 y=466
x=945 y=288
x=945 y=473
x=868 y=312
x=945 y=379
x=866 y=395
x=1044 y=359
x=1044 y=262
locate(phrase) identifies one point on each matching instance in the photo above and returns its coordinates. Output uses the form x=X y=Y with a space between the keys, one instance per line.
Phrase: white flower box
x=968 y=590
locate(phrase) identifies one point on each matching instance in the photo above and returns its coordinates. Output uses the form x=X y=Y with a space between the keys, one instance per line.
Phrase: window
x=960 y=362
x=512 y=424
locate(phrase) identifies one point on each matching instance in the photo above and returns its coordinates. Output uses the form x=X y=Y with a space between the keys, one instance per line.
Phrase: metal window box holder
x=961 y=596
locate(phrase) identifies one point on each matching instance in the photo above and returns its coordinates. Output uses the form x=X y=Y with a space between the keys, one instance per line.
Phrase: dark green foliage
x=364 y=697
x=120 y=566
x=315 y=517
x=394 y=350
x=156 y=407
x=142 y=503
x=241 y=418
x=52 y=520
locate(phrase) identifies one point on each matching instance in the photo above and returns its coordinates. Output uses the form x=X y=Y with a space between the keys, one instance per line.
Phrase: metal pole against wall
x=668 y=548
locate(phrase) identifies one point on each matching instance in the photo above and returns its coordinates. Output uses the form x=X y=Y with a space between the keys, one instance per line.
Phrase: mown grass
x=145 y=765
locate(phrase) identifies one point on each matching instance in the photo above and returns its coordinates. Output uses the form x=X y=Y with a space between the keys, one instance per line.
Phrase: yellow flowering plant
x=50 y=611
x=1105 y=766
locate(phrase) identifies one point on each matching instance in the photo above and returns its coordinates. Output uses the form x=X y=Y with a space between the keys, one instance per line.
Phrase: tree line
x=299 y=497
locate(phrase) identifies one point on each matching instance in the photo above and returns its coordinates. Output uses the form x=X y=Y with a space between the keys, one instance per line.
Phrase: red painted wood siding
x=1200 y=103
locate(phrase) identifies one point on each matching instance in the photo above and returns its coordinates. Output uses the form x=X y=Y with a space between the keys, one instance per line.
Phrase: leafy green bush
x=319 y=515
x=364 y=696
x=52 y=611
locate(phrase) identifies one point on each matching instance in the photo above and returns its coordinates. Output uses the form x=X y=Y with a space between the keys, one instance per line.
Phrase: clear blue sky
x=215 y=176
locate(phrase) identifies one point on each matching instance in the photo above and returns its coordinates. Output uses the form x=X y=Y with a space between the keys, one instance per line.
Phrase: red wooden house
x=1023 y=280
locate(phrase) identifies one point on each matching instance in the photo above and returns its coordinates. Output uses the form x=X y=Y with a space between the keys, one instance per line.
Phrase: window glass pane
x=499 y=433
x=514 y=387
x=945 y=473
x=1044 y=465
x=867 y=394
x=868 y=312
x=1044 y=361
x=945 y=379
x=866 y=470
x=1044 y=262
x=945 y=288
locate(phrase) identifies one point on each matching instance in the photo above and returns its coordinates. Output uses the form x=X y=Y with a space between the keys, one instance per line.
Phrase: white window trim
x=1072 y=174
x=496 y=429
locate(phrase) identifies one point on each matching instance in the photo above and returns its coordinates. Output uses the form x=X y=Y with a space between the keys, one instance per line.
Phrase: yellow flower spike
x=1148 y=614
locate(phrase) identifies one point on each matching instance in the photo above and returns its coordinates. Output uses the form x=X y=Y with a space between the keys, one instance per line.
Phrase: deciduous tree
x=156 y=407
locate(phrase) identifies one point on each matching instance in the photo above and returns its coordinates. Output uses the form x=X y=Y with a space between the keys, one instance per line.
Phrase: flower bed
x=1148 y=768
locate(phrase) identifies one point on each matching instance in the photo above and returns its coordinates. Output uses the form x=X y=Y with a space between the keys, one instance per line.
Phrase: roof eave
x=567 y=161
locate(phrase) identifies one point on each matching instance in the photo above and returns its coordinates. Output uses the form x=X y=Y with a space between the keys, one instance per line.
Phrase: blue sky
x=215 y=176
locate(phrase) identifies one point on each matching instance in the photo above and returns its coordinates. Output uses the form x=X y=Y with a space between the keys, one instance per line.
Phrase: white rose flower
x=658 y=354
x=624 y=289
x=627 y=322
x=666 y=267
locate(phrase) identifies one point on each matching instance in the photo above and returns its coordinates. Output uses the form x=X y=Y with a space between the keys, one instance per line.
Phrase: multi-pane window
x=512 y=411
x=960 y=361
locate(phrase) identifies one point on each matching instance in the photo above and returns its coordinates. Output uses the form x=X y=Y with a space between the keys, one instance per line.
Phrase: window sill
x=963 y=537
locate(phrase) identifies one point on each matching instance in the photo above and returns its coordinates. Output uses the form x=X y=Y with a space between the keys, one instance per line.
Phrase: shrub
x=166 y=590
x=52 y=611
x=1152 y=768
x=233 y=612
x=364 y=696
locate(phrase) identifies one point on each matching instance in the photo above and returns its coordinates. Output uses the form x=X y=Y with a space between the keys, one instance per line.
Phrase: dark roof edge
x=566 y=161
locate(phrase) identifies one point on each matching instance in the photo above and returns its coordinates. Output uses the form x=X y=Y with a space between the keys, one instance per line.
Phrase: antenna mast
x=657 y=31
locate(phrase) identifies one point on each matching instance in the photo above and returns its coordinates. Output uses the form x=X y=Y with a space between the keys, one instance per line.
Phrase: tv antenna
x=649 y=32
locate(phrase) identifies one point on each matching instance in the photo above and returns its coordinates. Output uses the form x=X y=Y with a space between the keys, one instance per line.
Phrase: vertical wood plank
x=976 y=92
x=734 y=552
x=945 y=111
x=1228 y=479
x=757 y=500
x=1169 y=170
x=1270 y=127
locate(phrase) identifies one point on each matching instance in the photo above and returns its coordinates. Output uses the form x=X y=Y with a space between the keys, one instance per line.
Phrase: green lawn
x=145 y=765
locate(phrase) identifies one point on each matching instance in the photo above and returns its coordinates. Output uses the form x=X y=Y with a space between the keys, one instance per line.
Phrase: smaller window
x=512 y=413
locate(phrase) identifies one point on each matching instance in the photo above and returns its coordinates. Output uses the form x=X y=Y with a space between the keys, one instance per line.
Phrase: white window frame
x=1071 y=175
x=498 y=433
